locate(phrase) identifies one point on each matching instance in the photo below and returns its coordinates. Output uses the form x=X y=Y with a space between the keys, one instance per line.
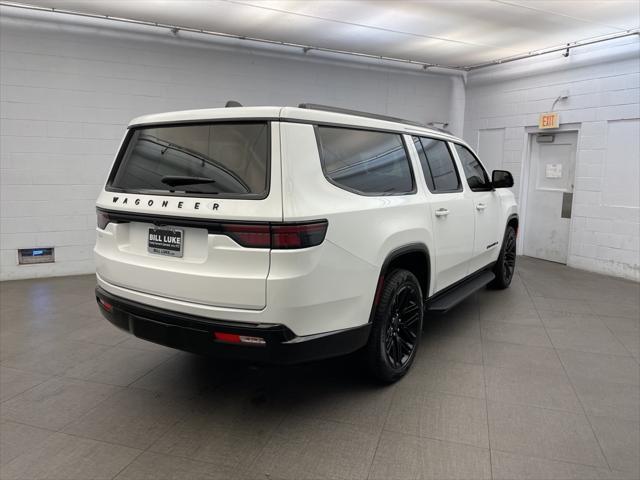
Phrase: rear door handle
x=480 y=206
x=442 y=212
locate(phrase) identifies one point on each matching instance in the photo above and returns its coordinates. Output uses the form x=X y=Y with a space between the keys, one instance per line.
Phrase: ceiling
x=445 y=32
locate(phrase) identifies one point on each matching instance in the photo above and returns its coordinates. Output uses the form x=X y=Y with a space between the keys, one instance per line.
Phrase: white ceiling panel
x=448 y=32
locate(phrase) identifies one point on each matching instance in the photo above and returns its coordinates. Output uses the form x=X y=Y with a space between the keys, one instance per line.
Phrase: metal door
x=550 y=195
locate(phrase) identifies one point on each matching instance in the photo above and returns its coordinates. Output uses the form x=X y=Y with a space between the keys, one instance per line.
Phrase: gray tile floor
x=541 y=381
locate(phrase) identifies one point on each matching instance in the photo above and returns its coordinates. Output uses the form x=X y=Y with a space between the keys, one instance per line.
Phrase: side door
x=486 y=208
x=451 y=211
x=550 y=197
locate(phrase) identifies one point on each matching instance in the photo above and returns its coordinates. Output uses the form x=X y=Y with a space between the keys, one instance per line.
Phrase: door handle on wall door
x=480 y=206
x=442 y=212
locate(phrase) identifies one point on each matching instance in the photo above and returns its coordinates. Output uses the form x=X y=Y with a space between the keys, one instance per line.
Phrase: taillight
x=251 y=236
x=103 y=219
x=277 y=236
x=301 y=235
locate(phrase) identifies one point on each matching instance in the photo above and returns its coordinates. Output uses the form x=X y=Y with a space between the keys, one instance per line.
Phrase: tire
x=397 y=327
x=506 y=263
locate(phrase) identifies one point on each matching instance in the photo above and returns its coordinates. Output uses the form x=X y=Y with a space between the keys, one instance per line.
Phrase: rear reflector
x=234 y=338
x=104 y=304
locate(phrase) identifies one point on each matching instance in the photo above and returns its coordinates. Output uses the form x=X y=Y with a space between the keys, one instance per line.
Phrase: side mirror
x=501 y=179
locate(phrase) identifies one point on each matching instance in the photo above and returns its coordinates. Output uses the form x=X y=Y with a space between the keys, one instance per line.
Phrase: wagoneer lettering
x=164 y=203
x=340 y=232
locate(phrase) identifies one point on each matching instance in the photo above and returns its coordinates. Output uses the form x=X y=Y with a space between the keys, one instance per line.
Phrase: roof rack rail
x=442 y=129
x=327 y=108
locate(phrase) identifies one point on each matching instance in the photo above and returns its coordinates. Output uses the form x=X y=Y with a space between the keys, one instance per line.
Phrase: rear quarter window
x=364 y=161
x=226 y=160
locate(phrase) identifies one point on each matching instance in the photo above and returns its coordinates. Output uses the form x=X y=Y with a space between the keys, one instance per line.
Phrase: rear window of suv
x=222 y=159
x=364 y=161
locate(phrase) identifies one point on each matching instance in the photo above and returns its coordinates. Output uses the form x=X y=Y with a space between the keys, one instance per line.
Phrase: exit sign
x=549 y=120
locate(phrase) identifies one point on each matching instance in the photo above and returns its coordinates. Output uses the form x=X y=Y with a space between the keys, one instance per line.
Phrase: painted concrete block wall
x=603 y=83
x=70 y=86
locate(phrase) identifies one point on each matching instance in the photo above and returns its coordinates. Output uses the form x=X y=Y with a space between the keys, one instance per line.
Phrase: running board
x=450 y=298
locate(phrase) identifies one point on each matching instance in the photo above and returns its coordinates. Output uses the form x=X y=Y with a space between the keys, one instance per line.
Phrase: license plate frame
x=163 y=241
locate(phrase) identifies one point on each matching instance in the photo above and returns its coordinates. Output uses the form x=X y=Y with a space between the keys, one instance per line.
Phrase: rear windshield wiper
x=175 y=180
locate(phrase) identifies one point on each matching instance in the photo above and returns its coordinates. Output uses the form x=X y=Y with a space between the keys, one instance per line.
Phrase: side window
x=438 y=166
x=477 y=177
x=364 y=161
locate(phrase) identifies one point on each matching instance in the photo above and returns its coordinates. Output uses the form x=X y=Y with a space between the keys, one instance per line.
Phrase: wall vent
x=29 y=256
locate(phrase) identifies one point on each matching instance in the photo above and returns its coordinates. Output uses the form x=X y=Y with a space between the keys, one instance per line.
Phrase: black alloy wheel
x=397 y=326
x=506 y=264
x=401 y=334
x=509 y=258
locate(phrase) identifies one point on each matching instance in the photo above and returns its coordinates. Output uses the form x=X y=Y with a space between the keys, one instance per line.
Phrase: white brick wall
x=69 y=87
x=603 y=82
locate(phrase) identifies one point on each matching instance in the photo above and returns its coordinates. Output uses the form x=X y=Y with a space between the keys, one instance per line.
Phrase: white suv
x=284 y=235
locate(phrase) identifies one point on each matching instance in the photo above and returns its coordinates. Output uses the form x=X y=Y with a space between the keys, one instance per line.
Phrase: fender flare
x=511 y=217
x=391 y=256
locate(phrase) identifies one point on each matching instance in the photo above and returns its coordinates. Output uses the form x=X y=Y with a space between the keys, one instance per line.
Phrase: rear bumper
x=196 y=334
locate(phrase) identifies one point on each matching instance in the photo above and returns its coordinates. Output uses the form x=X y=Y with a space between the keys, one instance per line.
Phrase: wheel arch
x=414 y=257
x=513 y=221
